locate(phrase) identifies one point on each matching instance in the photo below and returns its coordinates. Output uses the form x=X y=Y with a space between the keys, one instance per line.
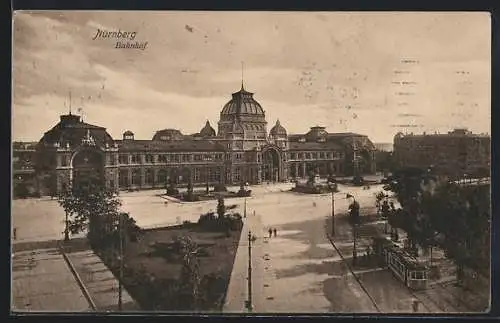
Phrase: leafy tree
x=221 y=208
x=379 y=197
x=50 y=183
x=460 y=216
x=409 y=185
x=331 y=178
x=354 y=217
x=190 y=272
x=90 y=206
x=21 y=189
x=172 y=187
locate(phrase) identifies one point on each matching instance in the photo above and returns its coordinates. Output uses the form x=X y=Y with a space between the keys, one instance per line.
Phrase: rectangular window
x=197 y=157
x=149 y=159
x=123 y=178
x=123 y=159
x=136 y=159
x=64 y=162
x=149 y=178
x=293 y=155
x=308 y=155
x=136 y=177
x=322 y=155
x=237 y=174
x=301 y=155
x=216 y=176
x=176 y=158
x=196 y=175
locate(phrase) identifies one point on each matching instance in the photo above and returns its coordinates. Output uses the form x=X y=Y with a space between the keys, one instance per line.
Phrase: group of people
x=272 y=231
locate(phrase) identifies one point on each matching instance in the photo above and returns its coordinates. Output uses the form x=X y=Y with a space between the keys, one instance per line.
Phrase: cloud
x=305 y=69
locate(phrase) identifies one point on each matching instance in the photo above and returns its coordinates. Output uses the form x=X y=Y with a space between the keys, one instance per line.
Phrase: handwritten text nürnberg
x=125 y=38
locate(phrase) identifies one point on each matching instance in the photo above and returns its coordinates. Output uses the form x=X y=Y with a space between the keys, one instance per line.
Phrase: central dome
x=242 y=103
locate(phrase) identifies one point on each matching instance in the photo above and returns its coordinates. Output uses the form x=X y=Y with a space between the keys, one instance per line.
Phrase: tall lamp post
x=120 y=284
x=332 y=188
x=66 y=228
x=245 y=186
x=354 y=208
x=249 y=305
x=208 y=158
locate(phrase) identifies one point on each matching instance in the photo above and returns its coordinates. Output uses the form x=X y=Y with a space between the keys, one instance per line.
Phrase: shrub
x=190 y=197
x=172 y=191
x=358 y=180
x=220 y=188
x=244 y=193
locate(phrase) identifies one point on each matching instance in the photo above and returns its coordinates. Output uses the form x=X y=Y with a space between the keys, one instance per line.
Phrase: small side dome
x=207 y=130
x=278 y=130
x=128 y=135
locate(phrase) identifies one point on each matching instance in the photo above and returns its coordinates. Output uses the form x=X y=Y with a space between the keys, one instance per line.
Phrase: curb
x=78 y=279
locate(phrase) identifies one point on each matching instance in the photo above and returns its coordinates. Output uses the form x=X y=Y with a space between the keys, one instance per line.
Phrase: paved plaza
x=297 y=271
x=42 y=281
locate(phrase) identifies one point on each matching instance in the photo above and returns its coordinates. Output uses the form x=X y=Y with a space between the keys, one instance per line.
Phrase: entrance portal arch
x=87 y=165
x=271 y=166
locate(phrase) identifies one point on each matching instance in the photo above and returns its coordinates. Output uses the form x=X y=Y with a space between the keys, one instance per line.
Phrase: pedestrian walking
x=275 y=232
x=415 y=305
x=270 y=232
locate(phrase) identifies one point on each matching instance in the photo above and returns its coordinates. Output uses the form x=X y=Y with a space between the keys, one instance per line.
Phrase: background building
x=455 y=154
x=242 y=150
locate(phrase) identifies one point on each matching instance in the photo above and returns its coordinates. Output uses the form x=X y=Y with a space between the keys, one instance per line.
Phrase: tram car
x=404 y=267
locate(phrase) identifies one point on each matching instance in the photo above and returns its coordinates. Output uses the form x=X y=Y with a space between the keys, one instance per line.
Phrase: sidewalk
x=101 y=284
x=42 y=281
x=237 y=292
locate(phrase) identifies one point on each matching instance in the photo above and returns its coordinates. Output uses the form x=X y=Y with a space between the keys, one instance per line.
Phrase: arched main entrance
x=88 y=167
x=270 y=165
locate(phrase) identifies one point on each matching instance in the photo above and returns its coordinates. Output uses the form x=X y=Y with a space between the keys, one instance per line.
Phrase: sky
x=369 y=73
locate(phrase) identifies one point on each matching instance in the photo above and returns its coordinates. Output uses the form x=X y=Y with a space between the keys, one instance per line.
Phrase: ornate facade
x=241 y=150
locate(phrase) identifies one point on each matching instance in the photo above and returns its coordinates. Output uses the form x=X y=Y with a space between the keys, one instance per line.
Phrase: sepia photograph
x=251 y=162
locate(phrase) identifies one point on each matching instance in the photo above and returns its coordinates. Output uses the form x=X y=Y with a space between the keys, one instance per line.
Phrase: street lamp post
x=354 y=219
x=207 y=159
x=120 y=284
x=66 y=228
x=332 y=188
x=354 y=249
x=333 y=213
x=249 y=300
x=245 y=209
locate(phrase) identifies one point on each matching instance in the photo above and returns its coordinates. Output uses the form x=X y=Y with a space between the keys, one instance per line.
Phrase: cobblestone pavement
x=42 y=281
